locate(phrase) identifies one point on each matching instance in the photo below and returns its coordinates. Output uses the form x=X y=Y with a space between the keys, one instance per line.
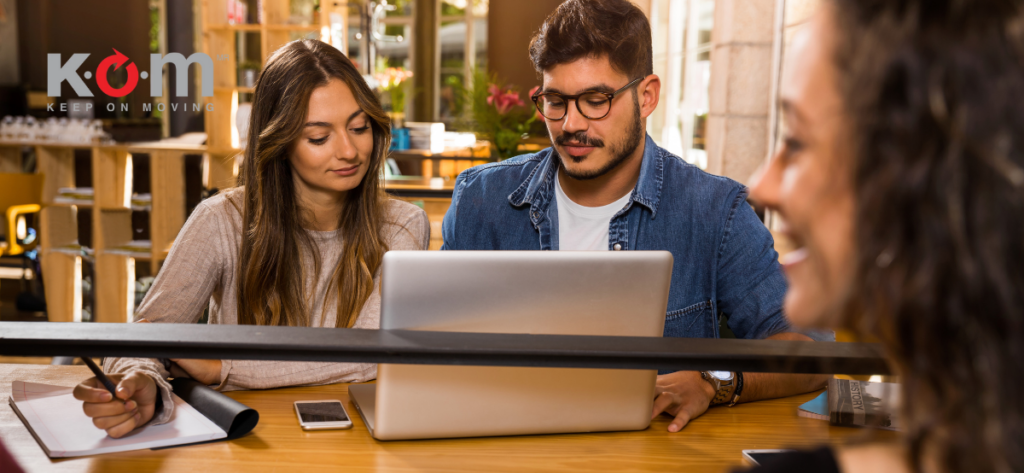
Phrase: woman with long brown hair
x=298 y=243
x=901 y=180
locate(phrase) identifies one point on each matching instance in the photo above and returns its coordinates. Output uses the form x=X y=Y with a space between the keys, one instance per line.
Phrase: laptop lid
x=568 y=293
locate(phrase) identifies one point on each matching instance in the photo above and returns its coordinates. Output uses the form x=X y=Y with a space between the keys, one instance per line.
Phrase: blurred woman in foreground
x=901 y=179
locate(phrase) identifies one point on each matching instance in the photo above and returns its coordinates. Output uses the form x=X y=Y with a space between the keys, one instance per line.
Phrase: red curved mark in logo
x=116 y=60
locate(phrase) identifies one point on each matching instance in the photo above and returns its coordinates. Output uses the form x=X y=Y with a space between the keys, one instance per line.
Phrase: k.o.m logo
x=57 y=73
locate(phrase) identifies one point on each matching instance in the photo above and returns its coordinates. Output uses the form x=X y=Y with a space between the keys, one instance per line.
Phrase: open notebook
x=62 y=429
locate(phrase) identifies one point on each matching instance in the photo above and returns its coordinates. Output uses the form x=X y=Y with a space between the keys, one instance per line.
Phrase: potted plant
x=393 y=82
x=498 y=114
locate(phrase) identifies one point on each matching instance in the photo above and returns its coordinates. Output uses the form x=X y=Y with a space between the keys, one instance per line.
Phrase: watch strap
x=738 y=380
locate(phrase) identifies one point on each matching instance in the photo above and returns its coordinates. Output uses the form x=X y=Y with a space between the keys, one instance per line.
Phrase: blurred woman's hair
x=935 y=92
x=271 y=261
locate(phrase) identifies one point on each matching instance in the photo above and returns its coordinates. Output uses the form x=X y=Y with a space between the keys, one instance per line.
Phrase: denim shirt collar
x=539 y=187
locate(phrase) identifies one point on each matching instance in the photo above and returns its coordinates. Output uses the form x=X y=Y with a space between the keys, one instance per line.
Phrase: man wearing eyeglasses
x=605 y=185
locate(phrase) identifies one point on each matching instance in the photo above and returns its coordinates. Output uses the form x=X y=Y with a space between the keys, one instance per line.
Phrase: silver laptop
x=537 y=292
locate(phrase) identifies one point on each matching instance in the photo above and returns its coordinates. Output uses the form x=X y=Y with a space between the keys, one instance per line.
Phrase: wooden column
x=510 y=27
x=220 y=171
x=168 y=211
x=58 y=226
x=426 y=59
x=114 y=287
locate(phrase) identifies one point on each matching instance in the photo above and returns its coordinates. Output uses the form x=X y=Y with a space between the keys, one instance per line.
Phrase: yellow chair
x=20 y=194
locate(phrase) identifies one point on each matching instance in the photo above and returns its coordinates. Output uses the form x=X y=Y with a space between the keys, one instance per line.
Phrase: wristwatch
x=728 y=386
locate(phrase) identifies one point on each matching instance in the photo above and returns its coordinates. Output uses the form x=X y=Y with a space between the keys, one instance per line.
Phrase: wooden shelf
x=149 y=146
x=77 y=203
x=111 y=214
x=70 y=250
x=225 y=151
x=235 y=27
x=251 y=27
x=243 y=90
x=132 y=147
x=300 y=28
x=48 y=144
x=219 y=40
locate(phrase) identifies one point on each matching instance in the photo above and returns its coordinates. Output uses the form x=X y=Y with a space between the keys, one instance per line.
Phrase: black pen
x=107 y=383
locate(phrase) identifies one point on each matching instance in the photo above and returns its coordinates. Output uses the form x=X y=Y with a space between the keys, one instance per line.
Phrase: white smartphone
x=757 y=457
x=322 y=415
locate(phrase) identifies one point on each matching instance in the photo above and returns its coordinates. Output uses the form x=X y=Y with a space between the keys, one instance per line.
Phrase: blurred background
x=95 y=188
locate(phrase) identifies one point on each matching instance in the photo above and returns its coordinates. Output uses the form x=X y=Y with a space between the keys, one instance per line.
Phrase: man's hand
x=683 y=394
x=134 y=405
x=204 y=371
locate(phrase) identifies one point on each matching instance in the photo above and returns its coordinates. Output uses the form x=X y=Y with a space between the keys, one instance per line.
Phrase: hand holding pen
x=117 y=403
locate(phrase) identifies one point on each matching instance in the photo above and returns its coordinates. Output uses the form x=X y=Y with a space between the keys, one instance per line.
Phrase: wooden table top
x=712 y=442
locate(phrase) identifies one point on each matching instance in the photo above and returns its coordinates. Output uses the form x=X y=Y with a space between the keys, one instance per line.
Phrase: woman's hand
x=134 y=405
x=204 y=371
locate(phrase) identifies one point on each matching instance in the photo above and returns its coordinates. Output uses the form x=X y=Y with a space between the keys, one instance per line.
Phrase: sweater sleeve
x=411 y=231
x=180 y=293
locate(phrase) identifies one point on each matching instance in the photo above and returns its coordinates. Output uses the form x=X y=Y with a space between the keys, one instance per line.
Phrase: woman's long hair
x=271 y=265
x=935 y=92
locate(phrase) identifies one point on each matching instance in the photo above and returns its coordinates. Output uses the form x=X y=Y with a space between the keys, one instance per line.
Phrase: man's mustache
x=580 y=138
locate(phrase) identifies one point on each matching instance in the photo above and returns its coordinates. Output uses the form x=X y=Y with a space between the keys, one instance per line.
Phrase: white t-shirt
x=584 y=228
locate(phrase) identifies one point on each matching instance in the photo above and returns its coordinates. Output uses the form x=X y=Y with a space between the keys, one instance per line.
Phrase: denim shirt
x=725 y=258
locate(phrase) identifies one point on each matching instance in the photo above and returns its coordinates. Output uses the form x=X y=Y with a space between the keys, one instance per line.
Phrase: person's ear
x=650 y=94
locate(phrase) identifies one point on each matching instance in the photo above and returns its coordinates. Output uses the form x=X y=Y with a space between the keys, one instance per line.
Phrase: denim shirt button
x=617 y=246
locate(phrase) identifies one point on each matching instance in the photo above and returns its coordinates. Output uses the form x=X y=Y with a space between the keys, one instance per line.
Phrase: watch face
x=721 y=375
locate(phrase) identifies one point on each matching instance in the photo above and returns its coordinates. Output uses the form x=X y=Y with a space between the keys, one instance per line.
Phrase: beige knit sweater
x=200 y=272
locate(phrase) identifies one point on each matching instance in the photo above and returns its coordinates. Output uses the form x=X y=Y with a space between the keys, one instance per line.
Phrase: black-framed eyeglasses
x=592 y=104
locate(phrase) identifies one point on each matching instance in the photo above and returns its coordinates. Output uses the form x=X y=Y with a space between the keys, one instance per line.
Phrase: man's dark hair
x=590 y=28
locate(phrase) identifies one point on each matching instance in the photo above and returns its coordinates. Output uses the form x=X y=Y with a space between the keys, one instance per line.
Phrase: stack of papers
x=74 y=196
x=142 y=201
x=134 y=248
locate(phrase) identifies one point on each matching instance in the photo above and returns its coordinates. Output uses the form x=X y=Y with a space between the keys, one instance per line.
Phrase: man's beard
x=620 y=151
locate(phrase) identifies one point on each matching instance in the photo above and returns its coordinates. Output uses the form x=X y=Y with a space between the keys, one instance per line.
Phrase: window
x=393 y=49
x=462 y=37
x=462 y=45
x=682 y=58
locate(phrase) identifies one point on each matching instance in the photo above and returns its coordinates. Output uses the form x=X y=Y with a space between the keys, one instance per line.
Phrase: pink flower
x=503 y=101
x=392 y=77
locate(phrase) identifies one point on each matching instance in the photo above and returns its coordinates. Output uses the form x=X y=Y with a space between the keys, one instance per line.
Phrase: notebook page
x=59 y=423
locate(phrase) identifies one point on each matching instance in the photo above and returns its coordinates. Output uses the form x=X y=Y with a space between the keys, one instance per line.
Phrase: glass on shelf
x=57 y=130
